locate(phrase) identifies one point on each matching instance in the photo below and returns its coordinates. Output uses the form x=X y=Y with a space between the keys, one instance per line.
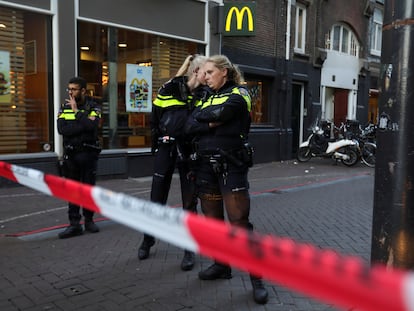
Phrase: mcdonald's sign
x=239 y=18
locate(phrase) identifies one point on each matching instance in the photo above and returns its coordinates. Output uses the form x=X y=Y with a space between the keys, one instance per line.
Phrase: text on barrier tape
x=323 y=274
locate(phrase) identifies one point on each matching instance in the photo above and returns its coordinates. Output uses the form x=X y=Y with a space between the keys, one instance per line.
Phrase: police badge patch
x=243 y=91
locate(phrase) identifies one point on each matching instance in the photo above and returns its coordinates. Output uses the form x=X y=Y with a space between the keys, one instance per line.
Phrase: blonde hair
x=233 y=72
x=197 y=62
x=191 y=64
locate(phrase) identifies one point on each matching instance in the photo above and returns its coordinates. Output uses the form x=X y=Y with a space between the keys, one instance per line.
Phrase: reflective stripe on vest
x=70 y=115
x=198 y=103
x=167 y=101
x=220 y=99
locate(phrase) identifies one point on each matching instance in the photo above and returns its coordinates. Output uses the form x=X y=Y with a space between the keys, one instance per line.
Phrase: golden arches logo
x=138 y=82
x=239 y=18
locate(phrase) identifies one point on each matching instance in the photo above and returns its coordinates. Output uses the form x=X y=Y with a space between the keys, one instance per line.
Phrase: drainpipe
x=288 y=20
x=323 y=101
x=283 y=132
x=57 y=80
x=207 y=35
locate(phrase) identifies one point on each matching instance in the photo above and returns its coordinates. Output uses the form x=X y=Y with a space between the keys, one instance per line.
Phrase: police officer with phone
x=78 y=122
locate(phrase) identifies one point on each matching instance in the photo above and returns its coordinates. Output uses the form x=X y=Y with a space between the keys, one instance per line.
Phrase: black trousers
x=165 y=162
x=224 y=188
x=80 y=166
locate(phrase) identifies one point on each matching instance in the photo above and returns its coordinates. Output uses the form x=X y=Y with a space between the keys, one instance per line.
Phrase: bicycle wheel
x=368 y=152
x=352 y=154
x=304 y=154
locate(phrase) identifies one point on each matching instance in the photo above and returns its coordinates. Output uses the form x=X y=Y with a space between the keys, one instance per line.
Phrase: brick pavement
x=317 y=202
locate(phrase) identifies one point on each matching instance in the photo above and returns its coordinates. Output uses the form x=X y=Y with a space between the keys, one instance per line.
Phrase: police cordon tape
x=344 y=281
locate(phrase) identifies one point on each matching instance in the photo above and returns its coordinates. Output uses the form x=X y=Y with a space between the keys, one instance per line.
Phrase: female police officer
x=225 y=157
x=171 y=147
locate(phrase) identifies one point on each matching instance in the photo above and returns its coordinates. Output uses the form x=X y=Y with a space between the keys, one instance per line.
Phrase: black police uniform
x=81 y=150
x=172 y=149
x=224 y=159
x=223 y=150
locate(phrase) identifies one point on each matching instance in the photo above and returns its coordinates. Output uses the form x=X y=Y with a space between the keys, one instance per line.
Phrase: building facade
x=302 y=60
x=124 y=49
x=314 y=59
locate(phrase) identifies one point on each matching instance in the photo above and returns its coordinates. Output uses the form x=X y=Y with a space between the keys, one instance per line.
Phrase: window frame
x=121 y=128
x=258 y=87
x=300 y=29
x=376 y=33
x=336 y=43
x=26 y=93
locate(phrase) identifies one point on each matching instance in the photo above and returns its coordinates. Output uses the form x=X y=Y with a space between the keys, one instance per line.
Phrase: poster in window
x=138 y=88
x=5 y=96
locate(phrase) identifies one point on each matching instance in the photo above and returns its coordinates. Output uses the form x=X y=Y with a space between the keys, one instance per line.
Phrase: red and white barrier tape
x=323 y=274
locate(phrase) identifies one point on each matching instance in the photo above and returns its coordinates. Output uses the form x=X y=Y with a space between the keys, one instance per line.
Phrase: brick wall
x=270 y=39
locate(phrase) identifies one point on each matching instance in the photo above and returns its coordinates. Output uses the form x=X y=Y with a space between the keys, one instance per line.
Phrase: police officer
x=170 y=145
x=225 y=157
x=78 y=122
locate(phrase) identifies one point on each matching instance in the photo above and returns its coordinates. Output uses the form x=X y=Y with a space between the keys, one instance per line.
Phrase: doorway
x=298 y=112
x=340 y=106
x=336 y=105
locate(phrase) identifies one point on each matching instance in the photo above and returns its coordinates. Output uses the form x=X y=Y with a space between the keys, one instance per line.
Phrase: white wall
x=340 y=71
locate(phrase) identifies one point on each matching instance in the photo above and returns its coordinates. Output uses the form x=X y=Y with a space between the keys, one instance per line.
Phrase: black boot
x=188 y=261
x=215 y=271
x=70 y=231
x=143 y=251
x=260 y=294
x=90 y=226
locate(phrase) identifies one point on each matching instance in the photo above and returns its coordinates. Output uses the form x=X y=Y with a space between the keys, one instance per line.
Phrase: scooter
x=320 y=144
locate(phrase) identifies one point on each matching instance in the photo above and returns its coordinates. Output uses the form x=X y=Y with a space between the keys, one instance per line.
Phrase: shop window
x=107 y=55
x=25 y=125
x=258 y=90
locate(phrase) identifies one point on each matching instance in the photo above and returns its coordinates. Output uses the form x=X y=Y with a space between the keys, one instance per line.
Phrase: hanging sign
x=138 y=88
x=239 y=19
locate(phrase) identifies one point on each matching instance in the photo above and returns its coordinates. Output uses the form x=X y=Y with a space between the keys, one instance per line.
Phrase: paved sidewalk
x=317 y=202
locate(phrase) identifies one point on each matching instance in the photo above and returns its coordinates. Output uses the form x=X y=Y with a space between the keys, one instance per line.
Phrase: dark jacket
x=79 y=129
x=230 y=107
x=171 y=109
x=193 y=128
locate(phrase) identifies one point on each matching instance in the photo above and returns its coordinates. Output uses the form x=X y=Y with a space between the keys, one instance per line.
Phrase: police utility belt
x=70 y=149
x=166 y=140
x=238 y=157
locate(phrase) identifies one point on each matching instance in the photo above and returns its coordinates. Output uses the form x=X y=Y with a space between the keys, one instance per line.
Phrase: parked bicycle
x=366 y=138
